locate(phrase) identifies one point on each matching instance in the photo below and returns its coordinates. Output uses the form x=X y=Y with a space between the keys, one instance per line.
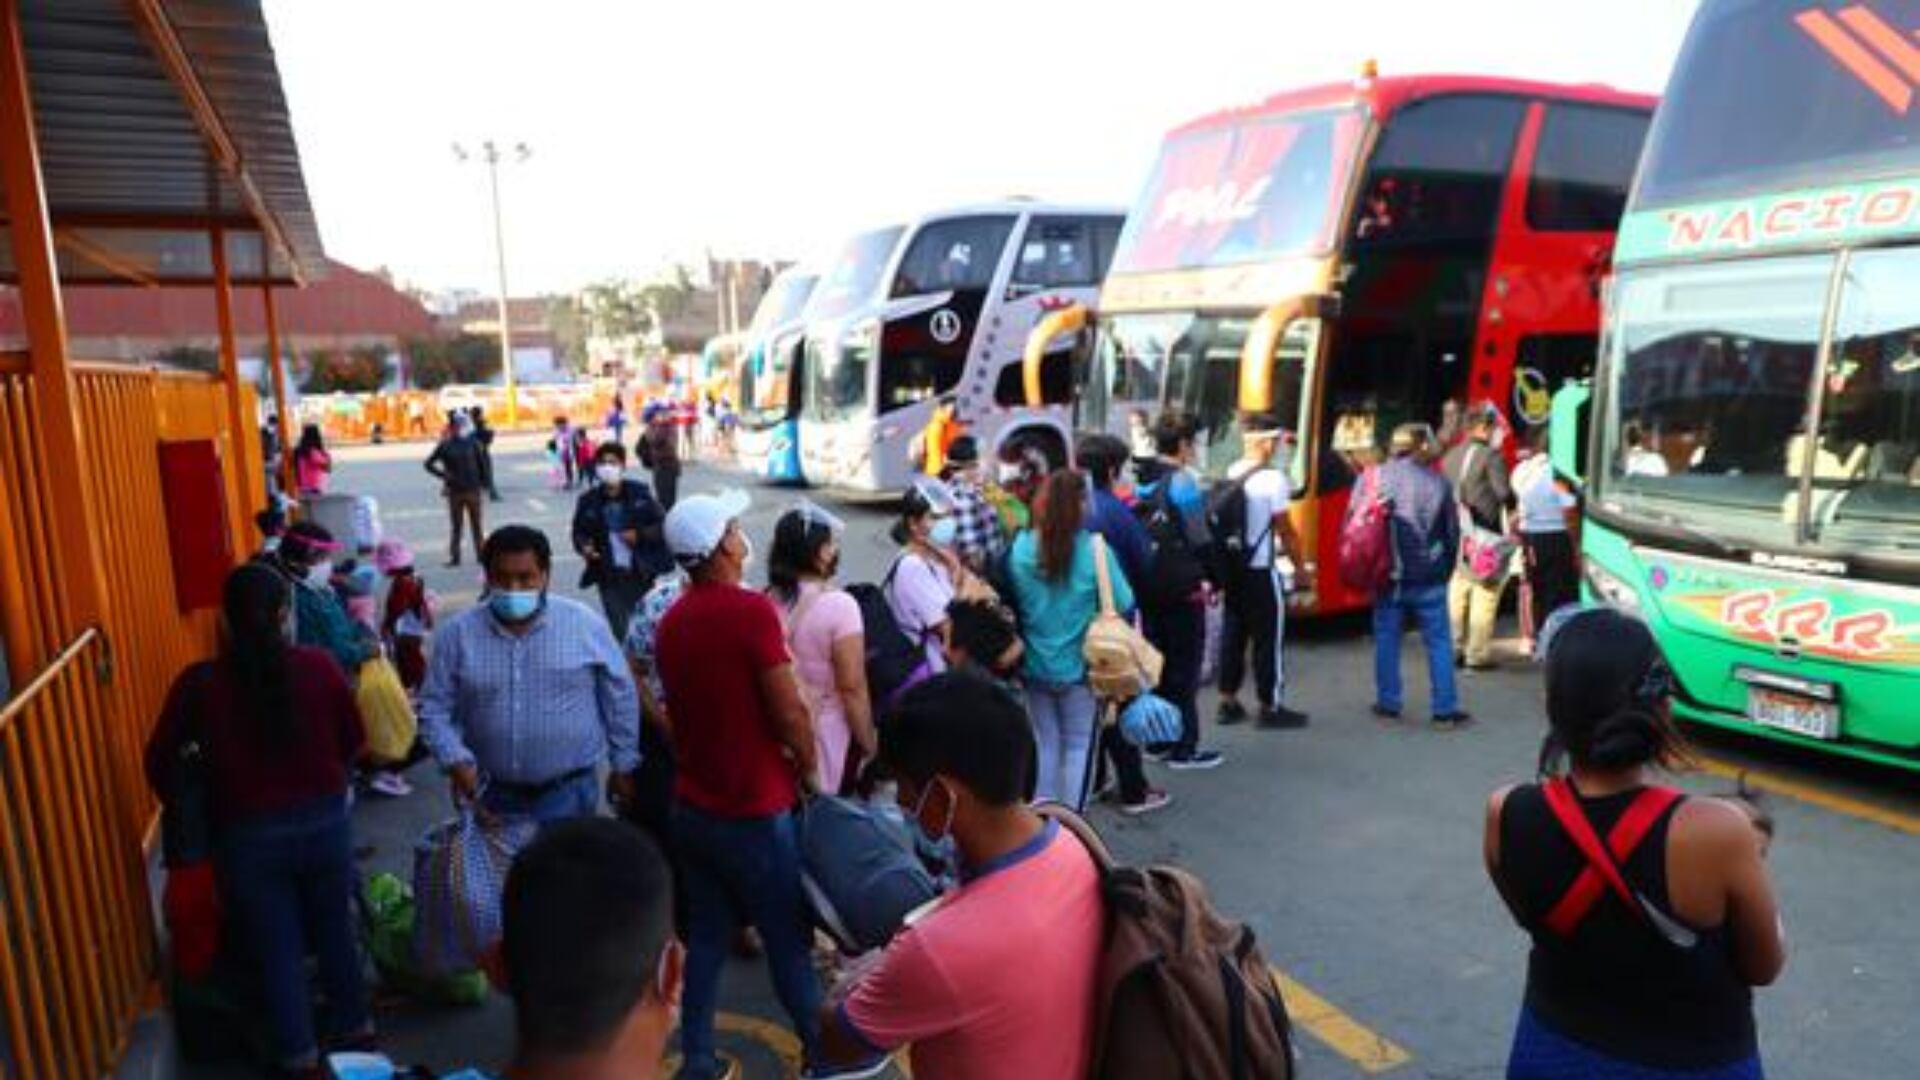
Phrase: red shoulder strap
x=1603 y=863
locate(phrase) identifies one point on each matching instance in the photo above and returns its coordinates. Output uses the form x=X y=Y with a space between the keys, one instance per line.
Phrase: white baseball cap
x=697 y=523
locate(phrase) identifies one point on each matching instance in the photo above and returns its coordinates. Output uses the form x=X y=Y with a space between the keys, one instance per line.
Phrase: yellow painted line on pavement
x=1371 y=1051
x=1800 y=791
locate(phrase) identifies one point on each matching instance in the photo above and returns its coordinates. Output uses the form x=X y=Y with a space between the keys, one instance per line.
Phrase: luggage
x=459 y=873
x=859 y=871
x=1121 y=663
x=1183 y=992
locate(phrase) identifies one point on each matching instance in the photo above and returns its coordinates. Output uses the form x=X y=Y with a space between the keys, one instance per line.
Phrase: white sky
x=766 y=128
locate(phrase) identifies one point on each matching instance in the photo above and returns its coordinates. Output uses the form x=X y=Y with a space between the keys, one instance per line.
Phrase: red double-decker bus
x=1351 y=257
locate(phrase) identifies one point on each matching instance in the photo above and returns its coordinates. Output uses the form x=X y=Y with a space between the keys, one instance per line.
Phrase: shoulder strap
x=1603 y=870
x=1081 y=830
x=1100 y=573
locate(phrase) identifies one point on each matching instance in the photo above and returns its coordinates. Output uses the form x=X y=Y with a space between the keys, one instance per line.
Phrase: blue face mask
x=943 y=532
x=515 y=605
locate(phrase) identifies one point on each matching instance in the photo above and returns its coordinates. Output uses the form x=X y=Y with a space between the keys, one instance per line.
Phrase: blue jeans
x=288 y=876
x=1063 y=716
x=1427 y=604
x=734 y=868
x=579 y=797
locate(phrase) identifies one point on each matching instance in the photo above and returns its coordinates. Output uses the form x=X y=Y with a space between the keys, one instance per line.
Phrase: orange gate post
x=276 y=368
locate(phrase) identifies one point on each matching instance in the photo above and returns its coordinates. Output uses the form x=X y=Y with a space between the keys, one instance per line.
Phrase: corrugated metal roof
x=121 y=147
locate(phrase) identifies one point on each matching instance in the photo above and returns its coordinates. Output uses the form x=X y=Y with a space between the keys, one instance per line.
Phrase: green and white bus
x=1752 y=475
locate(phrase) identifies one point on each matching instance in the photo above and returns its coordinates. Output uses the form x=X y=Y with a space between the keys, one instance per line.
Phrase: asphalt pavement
x=1351 y=847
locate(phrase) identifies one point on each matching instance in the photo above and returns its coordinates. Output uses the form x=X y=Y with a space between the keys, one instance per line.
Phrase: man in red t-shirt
x=742 y=740
x=998 y=979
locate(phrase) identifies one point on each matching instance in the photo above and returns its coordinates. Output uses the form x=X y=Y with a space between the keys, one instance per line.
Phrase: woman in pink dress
x=825 y=637
x=312 y=465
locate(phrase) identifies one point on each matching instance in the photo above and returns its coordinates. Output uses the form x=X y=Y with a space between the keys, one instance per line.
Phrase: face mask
x=609 y=474
x=942 y=533
x=515 y=605
x=946 y=830
x=1009 y=473
x=320 y=574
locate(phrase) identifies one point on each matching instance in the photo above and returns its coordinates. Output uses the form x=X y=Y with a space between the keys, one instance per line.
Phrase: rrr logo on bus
x=1810 y=624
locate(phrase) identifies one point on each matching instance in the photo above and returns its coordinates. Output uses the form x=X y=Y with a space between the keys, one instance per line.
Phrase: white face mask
x=609 y=474
x=320 y=574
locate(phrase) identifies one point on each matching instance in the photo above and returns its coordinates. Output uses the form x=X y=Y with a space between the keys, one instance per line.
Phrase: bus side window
x=1055 y=253
x=1584 y=167
x=956 y=254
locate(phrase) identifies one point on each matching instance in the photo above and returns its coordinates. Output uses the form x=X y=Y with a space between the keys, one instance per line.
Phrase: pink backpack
x=1366 y=537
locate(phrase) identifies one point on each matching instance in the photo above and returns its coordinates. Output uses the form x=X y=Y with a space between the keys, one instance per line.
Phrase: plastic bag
x=1215 y=614
x=387 y=919
x=385 y=711
x=459 y=872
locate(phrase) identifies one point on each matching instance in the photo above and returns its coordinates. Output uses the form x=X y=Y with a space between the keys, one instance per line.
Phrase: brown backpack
x=1184 y=993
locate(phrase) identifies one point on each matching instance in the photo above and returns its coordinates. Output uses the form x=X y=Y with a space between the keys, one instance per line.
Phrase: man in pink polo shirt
x=999 y=978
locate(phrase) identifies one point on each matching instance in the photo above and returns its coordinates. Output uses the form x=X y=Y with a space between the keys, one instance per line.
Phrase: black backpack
x=896 y=660
x=1227 y=524
x=1175 y=567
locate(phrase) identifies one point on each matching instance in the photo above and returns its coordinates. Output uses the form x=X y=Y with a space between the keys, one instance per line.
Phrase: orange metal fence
x=76 y=939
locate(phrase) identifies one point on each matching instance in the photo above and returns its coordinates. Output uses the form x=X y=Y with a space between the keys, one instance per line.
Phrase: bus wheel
x=1046 y=441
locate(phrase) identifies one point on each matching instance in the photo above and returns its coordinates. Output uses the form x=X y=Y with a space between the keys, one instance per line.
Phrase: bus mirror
x=1067 y=320
x=1567 y=436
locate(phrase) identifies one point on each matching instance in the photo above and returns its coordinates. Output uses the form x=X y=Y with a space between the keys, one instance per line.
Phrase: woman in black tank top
x=1651 y=913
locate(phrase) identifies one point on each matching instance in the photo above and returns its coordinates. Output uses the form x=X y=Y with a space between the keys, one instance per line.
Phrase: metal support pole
x=277 y=369
x=500 y=257
x=76 y=542
x=239 y=423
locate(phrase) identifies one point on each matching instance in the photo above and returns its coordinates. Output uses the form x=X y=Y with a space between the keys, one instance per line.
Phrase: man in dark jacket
x=483 y=435
x=616 y=529
x=1478 y=473
x=660 y=451
x=1425 y=532
x=461 y=468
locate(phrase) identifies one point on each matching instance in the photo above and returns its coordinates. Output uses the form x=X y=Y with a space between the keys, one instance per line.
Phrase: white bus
x=769 y=369
x=939 y=311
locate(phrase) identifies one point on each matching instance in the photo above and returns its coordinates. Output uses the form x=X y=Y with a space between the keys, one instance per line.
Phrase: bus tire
x=1046 y=440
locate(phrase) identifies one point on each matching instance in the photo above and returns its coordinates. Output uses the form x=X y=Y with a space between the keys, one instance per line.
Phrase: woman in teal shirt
x=1057 y=592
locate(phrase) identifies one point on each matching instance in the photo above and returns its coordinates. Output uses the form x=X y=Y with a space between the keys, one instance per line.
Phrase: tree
x=468 y=358
x=189 y=358
x=361 y=369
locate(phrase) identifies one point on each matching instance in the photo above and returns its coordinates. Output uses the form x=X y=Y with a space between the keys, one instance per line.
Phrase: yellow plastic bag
x=385 y=712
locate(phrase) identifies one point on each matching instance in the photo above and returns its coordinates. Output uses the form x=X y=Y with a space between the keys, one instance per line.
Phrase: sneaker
x=390 y=784
x=1453 y=721
x=1197 y=759
x=874 y=1066
x=1281 y=718
x=1231 y=712
x=1385 y=712
x=1157 y=754
x=1155 y=800
x=1108 y=791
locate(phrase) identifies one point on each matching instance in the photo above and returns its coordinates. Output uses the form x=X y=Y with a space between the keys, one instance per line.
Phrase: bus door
x=1539 y=319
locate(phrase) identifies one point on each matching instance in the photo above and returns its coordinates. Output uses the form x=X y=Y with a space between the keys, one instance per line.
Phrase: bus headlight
x=1612 y=589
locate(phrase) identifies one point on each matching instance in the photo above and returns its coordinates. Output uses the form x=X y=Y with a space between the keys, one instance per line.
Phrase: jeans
x=1472 y=609
x=1427 y=604
x=288 y=877
x=733 y=868
x=1256 y=617
x=577 y=798
x=1180 y=633
x=1063 y=717
x=620 y=593
x=463 y=504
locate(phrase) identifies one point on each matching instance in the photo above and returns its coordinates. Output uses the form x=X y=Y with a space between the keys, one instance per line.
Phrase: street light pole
x=490 y=154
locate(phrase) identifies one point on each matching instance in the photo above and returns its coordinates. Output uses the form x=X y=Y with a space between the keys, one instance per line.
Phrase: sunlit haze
x=761 y=129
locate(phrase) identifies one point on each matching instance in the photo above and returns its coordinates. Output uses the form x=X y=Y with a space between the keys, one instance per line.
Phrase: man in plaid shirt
x=976 y=539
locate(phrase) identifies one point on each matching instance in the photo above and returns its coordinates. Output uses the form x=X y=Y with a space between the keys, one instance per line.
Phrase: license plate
x=1790 y=712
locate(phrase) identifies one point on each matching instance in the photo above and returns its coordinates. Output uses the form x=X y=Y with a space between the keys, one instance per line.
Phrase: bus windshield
x=853 y=277
x=1269 y=187
x=783 y=303
x=1713 y=381
x=1192 y=363
x=1772 y=97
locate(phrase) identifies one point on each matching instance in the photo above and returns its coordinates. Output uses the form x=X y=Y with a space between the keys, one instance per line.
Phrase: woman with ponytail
x=279 y=732
x=1651 y=913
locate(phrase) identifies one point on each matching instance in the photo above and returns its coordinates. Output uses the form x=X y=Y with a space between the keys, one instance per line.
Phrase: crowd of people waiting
x=961 y=689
